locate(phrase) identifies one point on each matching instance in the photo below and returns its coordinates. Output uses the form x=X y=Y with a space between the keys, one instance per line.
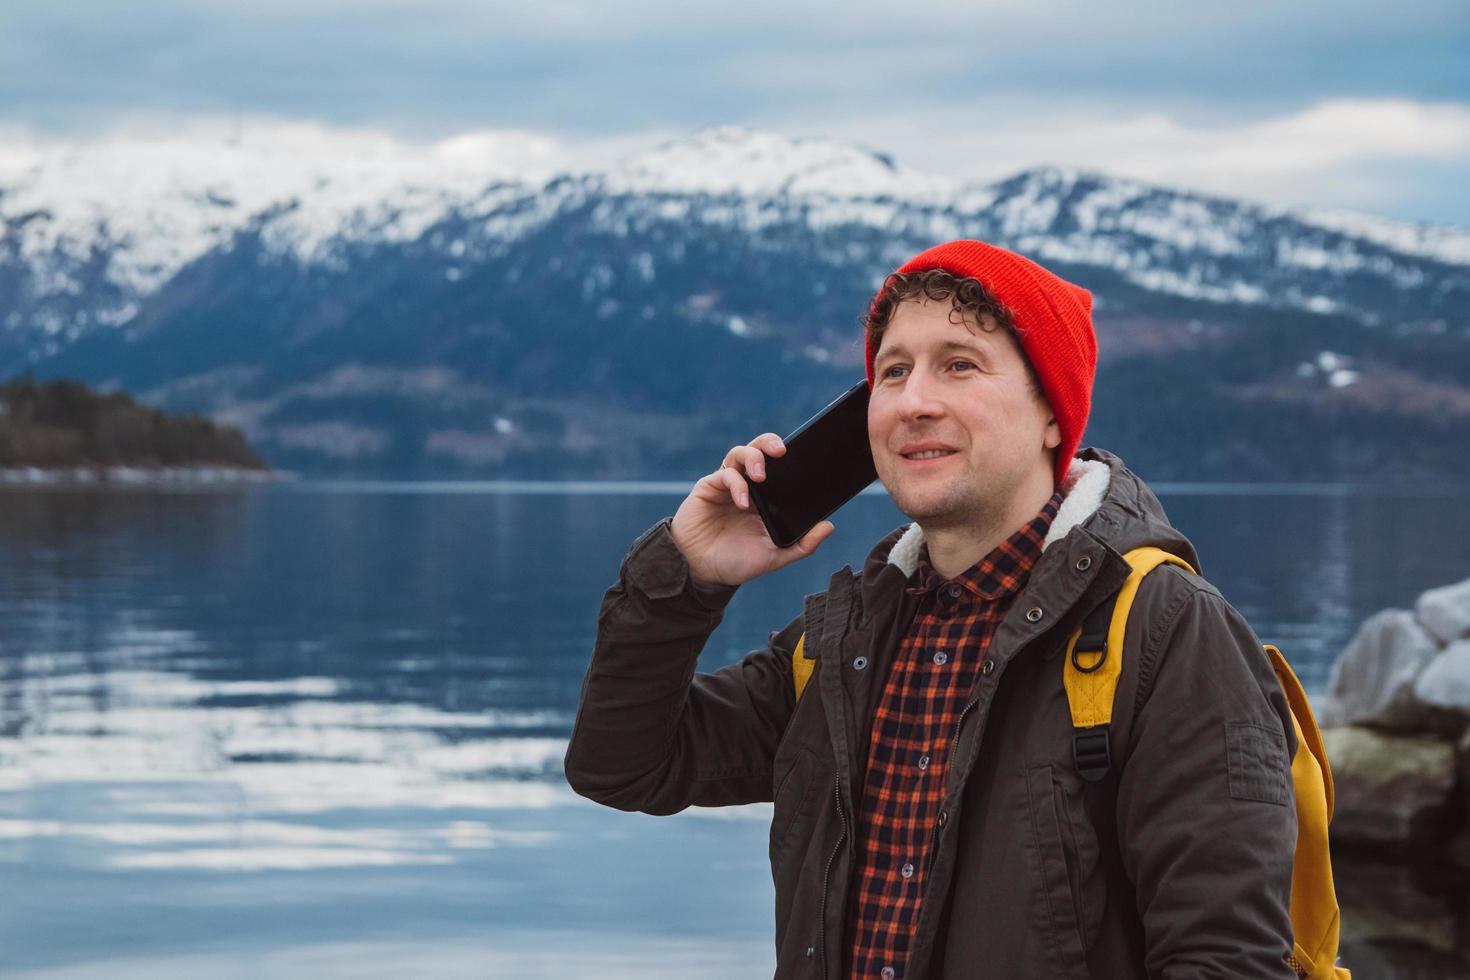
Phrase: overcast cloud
x=1349 y=103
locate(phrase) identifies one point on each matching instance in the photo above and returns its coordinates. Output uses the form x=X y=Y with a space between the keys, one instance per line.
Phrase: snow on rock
x=1445 y=612
x=1372 y=682
x=1445 y=682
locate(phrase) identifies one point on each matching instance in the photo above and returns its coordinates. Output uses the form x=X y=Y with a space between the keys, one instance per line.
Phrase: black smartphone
x=827 y=463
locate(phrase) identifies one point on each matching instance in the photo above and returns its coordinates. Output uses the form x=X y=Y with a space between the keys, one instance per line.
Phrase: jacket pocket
x=1057 y=879
x=793 y=821
x=793 y=795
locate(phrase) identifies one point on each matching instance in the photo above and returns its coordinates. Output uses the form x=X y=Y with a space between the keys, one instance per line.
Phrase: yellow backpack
x=1091 y=680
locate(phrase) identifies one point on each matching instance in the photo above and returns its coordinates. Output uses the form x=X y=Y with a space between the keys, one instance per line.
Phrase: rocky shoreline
x=1396 y=726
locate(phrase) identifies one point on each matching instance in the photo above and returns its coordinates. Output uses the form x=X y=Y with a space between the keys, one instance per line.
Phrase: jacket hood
x=1101 y=495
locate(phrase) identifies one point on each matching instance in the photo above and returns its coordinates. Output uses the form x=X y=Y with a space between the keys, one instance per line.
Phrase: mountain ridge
x=189 y=197
x=522 y=320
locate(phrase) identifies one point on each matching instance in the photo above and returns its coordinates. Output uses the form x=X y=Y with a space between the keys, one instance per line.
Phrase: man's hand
x=719 y=530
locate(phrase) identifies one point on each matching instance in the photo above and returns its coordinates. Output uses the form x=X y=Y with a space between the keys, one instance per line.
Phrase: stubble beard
x=961 y=503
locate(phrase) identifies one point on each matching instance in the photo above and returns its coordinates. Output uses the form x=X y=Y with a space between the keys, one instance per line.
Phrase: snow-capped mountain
x=267 y=273
x=142 y=209
x=119 y=218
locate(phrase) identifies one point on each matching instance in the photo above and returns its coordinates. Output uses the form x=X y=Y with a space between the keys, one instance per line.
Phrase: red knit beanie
x=1053 y=321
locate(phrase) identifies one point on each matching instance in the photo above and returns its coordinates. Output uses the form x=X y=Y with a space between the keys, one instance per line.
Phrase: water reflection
x=290 y=724
x=141 y=743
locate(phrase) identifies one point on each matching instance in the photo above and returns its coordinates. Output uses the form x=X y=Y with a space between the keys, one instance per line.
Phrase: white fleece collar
x=1084 y=490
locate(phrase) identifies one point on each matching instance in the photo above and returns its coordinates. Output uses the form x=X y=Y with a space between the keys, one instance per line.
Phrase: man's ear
x=1053 y=437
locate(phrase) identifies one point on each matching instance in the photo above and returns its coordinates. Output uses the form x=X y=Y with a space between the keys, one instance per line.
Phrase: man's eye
x=963 y=365
x=892 y=371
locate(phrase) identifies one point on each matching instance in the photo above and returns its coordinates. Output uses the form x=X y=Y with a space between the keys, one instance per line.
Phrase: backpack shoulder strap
x=1315 y=918
x=1092 y=668
x=1094 y=663
x=801 y=666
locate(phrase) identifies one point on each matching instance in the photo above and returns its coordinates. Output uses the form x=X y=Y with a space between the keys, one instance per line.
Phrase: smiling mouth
x=930 y=454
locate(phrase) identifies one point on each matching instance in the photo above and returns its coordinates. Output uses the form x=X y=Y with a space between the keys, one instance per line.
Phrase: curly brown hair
x=968 y=295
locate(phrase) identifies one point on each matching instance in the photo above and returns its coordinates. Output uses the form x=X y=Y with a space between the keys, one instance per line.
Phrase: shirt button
x=941 y=658
x=907 y=871
x=954 y=591
x=887 y=973
x=987 y=668
x=1034 y=614
x=923 y=762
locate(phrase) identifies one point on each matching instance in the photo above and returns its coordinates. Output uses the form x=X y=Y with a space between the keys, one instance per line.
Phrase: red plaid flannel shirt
x=908 y=753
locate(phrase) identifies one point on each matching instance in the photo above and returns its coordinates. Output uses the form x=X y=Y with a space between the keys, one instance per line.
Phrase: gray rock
x=1393 y=791
x=1462 y=759
x=1387 y=902
x=1459 y=849
x=1445 y=612
x=1396 y=960
x=1445 y=683
x=1372 y=681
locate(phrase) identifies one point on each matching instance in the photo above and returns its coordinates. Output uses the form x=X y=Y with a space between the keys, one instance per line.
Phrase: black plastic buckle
x=1091 y=752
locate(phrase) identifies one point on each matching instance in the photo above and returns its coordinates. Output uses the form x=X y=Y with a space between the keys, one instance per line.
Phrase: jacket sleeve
x=653 y=735
x=1206 y=814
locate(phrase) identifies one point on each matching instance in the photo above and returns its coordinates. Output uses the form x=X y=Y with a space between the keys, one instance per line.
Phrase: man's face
x=955 y=426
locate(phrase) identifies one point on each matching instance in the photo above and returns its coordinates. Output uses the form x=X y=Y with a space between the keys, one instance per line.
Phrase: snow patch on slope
x=163 y=200
x=731 y=160
x=1440 y=242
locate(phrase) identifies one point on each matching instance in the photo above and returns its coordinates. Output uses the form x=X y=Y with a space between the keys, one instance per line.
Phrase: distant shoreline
x=332 y=484
x=195 y=477
x=32 y=477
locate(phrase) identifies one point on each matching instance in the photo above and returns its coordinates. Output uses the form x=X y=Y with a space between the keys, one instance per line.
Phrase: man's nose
x=920 y=396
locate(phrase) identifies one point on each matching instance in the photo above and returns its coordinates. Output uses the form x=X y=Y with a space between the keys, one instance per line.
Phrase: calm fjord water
x=313 y=730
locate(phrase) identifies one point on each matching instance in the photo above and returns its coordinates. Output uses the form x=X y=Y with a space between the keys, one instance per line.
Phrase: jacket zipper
x=827 y=874
x=954 y=745
x=953 y=748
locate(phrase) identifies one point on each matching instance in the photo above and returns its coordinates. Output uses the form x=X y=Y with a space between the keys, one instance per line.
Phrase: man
x=930 y=817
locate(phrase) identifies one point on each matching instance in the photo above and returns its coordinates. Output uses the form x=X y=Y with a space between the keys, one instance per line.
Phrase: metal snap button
x=859 y=663
x=1034 y=614
x=943 y=818
x=1084 y=563
x=987 y=668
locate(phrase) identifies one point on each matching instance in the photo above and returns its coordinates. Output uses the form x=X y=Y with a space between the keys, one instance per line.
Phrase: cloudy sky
x=1354 y=103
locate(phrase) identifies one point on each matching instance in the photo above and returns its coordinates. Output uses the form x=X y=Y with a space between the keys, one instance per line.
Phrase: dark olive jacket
x=1178 y=865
